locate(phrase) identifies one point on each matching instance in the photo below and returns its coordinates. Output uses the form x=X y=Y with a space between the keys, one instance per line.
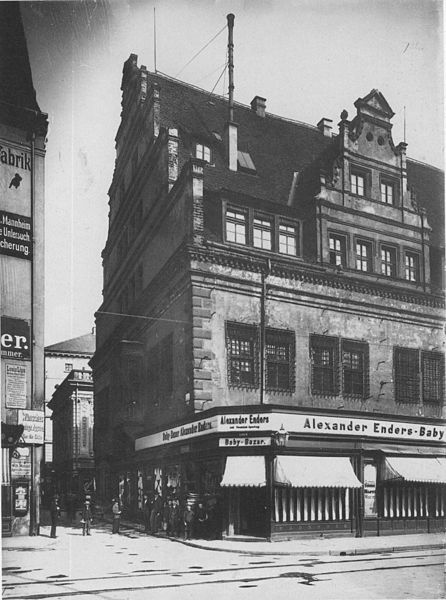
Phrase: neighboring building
x=23 y=129
x=271 y=332
x=61 y=359
x=72 y=406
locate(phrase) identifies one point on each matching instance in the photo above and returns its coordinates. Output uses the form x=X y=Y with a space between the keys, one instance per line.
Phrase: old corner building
x=271 y=333
x=23 y=129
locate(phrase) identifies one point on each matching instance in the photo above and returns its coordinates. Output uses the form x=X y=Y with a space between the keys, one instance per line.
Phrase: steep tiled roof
x=277 y=146
x=84 y=344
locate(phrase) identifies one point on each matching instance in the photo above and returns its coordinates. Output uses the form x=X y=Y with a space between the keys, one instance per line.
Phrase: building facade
x=72 y=406
x=60 y=359
x=23 y=129
x=272 y=330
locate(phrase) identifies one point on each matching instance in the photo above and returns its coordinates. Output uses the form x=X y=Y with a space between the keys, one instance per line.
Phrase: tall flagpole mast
x=154 y=38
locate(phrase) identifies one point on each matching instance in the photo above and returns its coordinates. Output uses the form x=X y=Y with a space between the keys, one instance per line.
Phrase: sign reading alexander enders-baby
x=313 y=425
x=15 y=235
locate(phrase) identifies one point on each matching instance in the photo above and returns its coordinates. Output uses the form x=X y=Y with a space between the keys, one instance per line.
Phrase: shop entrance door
x=253 y=512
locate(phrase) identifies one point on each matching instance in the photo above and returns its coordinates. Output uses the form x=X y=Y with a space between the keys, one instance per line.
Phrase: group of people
x=189 y=520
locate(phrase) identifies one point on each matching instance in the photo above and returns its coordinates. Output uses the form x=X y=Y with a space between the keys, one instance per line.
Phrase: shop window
x=236 y=230
x=311 y=504
x=203 y=152
x=357 y=183
x=288 y=239
x=280 y=353
x=337 y=250
x=324 y=362
x=355 y=368
x=388 y=261
x=261 y=233
x=364 y=256
x=412 y=266
x=242 y=353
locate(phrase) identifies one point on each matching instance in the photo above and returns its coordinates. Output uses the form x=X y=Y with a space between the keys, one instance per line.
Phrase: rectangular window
x=364 y=256
x=242 y=353
x=279 y=354
x=324 y=362
x=68 y=367
x=412 y=266
x=355 y=368
x=337 y=248
x=407 y=379
x=203 y=152
x=432 y=365
x=236 y=226
x=261 y=233
x=245 y=162
x=288 y=240
x=388 y=261
x=387 y=192
x=357 y=183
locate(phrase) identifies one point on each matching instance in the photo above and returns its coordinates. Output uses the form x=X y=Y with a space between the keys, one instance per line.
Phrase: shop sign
x=370 y=508
x=15 y=235
x=21 y=464
x=33 y=423
x=15 y=386
x=314 y=425
x=20 y=495
x=15 y=338
x=244 y=442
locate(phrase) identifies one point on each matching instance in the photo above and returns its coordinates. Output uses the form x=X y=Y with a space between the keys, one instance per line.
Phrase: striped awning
x=244 y=471
x=315 y=471
x=6 y=476
x=416 y=469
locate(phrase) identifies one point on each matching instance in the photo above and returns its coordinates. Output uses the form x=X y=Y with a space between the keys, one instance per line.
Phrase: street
x=132 y=566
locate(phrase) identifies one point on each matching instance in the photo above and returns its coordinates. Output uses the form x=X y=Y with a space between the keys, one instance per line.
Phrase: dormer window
x=357 y=182
x=262 y=233
x=236 y=222
x=288 y=240
x=203 y=152
x=245 y=162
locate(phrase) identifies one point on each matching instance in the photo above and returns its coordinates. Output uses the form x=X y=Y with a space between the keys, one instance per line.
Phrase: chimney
x=325 y=126
x=258 y=105
x=231 y=127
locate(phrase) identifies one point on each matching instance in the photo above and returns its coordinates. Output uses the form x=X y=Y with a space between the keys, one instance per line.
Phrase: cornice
x=307 y=274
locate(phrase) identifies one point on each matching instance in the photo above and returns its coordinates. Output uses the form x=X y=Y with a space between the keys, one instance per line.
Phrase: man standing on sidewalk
x=55 y=514
x=86 y=516
x=116 y=510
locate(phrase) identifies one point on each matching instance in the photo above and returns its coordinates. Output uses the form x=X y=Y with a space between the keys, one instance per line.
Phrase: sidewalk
x=343 y=546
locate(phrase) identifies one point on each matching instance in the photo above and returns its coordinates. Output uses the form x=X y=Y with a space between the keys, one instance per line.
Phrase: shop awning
x=244 y=471
x=315 y=471
x=421 y=470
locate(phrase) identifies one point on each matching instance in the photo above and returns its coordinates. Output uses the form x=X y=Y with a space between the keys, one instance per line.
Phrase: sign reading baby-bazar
x=316 y=425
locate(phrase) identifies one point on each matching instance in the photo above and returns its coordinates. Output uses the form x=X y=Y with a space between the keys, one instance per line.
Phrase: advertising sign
x=33 y=423
x=20 y=498
x=370 y=508
x=314 y=425
x=15 y=386
x=15 y=338
x=15 y=235
x=244 y=442
x=21 y=464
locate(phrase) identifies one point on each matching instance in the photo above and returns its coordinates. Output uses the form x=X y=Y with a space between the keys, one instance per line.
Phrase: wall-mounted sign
x=20 y=498
x=15 y=338
x=21 y=463
x=15 y=386
x=33 y=422
x=244 y=442
x=370 y=508
x=15 y=235
x=318 y=426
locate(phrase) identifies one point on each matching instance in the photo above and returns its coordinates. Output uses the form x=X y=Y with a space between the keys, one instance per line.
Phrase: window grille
x=407 y=379
x=242 y=355
x=432 y=364
x=280 y=360
x=324 y=360
x=355 y=368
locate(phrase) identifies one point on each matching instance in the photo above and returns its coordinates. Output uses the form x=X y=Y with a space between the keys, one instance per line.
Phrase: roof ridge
x=236 y=103
x=425 y=164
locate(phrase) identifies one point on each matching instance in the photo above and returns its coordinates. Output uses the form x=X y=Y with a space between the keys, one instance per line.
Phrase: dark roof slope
x=277 y=146
x=84 y=344
x=428 y=184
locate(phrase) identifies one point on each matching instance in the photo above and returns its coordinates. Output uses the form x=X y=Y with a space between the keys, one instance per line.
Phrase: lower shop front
x=281 y=474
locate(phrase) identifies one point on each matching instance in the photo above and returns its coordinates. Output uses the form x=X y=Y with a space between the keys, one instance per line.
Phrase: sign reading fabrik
x=15 y=338
x=15 y=235
x=314 y=425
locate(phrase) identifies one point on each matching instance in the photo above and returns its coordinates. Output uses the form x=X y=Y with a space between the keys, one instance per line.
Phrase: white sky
x=308 y=58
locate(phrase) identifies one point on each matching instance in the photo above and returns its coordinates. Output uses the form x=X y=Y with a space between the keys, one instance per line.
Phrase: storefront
x=325 y=474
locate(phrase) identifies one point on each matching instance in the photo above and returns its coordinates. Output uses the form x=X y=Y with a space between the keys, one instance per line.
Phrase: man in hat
x=86 y=516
